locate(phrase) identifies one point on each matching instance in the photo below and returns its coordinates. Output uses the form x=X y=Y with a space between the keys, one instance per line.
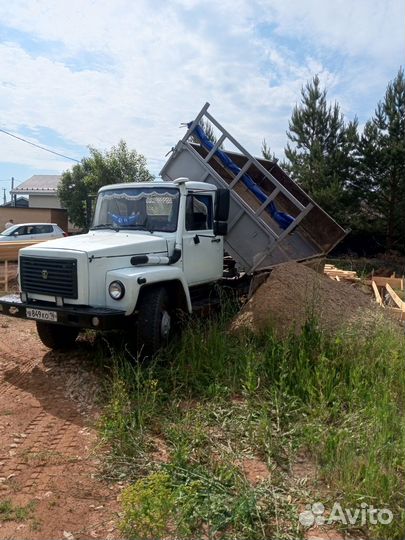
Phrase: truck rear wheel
x=154 y=321
x=55 y=336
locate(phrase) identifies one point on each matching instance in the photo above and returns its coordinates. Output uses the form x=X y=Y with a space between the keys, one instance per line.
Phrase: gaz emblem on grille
x=44 y=274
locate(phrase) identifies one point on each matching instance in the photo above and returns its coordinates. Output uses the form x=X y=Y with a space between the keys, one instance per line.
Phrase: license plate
x=41 y=314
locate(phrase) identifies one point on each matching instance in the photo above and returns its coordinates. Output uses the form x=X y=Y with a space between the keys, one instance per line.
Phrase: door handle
x=216 y=240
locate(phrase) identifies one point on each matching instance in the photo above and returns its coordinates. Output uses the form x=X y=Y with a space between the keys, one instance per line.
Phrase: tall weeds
x=339 y=400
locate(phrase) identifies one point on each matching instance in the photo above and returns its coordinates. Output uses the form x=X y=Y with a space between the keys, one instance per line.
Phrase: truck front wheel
x=154 y=320
x=55 y=336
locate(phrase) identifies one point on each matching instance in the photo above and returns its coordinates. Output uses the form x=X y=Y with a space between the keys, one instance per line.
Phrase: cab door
x=202 y=251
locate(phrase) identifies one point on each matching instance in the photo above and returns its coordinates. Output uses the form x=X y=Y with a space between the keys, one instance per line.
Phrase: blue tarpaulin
x=281 y=218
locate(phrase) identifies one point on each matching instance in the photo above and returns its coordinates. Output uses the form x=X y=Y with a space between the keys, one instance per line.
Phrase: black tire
x=155 y=321
x=57 y=337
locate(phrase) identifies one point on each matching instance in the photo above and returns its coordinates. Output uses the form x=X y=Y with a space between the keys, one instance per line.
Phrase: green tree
x=321 y=152
x=79 y=186
x=381 y=182
x=267 y=153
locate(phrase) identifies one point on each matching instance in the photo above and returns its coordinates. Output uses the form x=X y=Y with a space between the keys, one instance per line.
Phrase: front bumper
x=79 y=316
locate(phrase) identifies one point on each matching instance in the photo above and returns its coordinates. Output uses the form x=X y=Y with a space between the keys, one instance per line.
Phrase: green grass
x=214 y=402
x=11 y=512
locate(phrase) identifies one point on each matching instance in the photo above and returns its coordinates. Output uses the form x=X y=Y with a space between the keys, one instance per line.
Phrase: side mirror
x=222 y=205
x=220 y=228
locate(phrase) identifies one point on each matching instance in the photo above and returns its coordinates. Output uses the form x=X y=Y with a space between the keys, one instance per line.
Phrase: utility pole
x=4 y=196
x=13 y=197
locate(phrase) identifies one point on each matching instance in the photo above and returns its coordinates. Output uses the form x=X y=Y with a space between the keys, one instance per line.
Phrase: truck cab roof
x=190 y=185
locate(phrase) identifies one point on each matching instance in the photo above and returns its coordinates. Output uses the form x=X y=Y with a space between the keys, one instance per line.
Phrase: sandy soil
x=47 y=457
x=292 y=293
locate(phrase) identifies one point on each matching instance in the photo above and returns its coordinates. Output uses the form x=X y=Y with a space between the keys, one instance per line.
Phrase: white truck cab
x=150 y=243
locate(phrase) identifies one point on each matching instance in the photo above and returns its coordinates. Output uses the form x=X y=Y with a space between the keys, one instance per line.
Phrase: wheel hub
x=165 y=324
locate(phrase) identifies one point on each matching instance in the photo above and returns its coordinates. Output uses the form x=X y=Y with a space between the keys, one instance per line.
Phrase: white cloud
x=164 y=60
x=363 y=27
x=31 y=156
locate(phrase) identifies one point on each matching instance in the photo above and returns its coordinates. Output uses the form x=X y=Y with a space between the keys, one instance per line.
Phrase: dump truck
x=215 y=218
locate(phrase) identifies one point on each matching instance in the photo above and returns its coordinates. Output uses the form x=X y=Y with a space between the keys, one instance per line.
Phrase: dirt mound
x=292 y=293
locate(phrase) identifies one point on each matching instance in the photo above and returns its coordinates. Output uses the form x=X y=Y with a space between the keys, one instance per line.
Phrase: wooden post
x=6 y=275
x=377 y=294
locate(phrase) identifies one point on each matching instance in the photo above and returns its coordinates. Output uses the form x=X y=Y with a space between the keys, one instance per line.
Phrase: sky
x=80 y=73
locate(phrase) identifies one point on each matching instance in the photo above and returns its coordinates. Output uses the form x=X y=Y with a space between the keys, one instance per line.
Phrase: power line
x=38 y=146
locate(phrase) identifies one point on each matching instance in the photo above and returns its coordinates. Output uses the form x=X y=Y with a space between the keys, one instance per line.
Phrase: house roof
x=39 y=183
x=20 y=202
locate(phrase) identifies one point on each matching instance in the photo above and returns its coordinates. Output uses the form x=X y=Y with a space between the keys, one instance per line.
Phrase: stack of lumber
x=338 y=275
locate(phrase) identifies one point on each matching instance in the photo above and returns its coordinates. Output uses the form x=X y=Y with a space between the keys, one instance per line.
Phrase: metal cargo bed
x=255 y=239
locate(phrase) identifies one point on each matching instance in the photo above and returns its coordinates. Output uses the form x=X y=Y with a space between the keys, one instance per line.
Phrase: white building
x=41 y=189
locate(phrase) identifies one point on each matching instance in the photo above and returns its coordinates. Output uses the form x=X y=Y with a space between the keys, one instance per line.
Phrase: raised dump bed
x=256 y=238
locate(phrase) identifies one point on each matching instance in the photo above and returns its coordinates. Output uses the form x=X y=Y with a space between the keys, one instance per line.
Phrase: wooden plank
x=377 y=294
x=9 y=250
x=381 y=281
x=338 y=271
x=342 y=274
x=400 y=303
x=6 y=276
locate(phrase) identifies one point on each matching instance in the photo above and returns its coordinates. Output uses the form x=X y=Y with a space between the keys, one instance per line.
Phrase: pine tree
x=381 y=182
x=321 y=153
x=267 y=153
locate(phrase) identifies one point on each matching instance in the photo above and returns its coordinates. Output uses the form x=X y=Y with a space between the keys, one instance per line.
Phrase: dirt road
x=49 y=482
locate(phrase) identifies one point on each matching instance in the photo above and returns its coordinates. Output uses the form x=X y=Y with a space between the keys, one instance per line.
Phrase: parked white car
x=25 y=232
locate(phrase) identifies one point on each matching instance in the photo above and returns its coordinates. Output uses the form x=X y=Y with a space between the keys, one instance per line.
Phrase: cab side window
x=198 y=212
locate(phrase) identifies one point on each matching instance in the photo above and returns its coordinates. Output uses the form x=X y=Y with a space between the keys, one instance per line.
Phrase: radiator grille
x=54 y=277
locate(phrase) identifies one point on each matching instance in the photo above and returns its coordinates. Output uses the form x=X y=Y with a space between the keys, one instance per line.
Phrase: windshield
x=149 y=209
x=9 y=231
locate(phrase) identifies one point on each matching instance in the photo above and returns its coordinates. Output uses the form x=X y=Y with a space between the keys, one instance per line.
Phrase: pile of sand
x=292 y=293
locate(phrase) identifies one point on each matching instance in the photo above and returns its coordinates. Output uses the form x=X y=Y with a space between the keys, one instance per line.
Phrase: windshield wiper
x=105 y=226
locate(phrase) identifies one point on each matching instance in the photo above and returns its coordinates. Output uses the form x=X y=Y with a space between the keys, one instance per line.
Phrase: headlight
x=116 y=290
